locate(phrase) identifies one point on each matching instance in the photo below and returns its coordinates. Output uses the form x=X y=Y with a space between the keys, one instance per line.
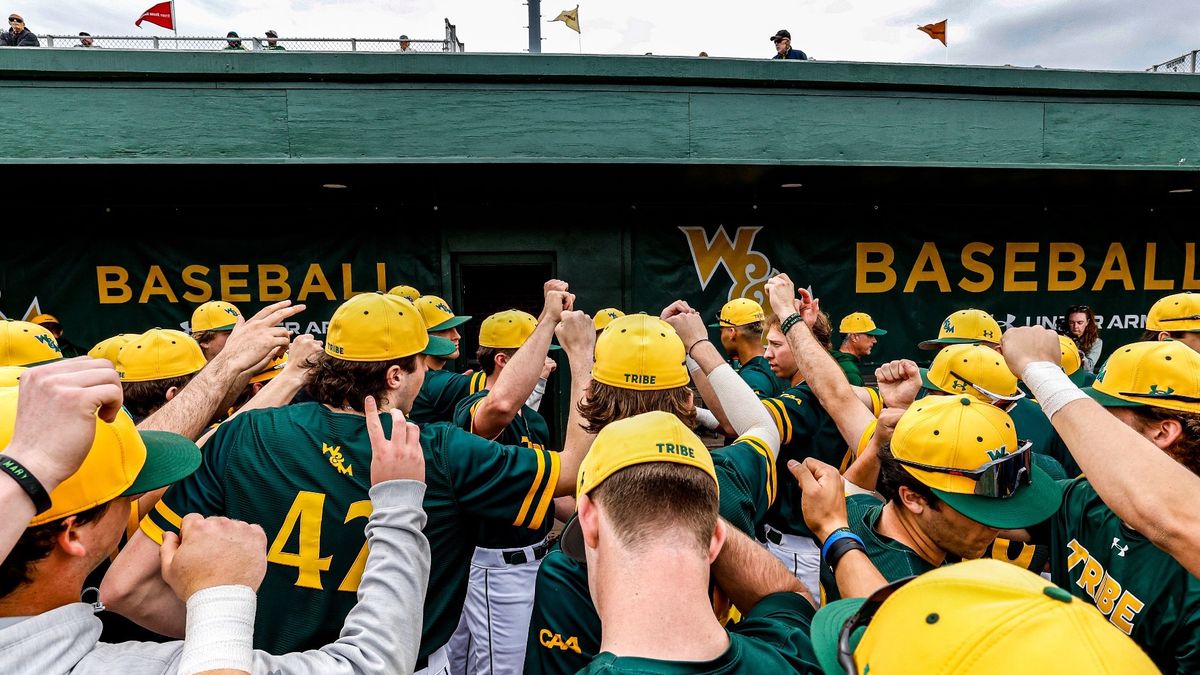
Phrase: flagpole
x=174 y=23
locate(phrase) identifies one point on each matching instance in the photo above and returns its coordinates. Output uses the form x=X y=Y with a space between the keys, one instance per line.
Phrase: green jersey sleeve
x=849 y=366
x=746 y=476
x=794 y=415
x=202 y=492
x=440 y=393
x=564 y=629
x=464 y=412
x=781 y=623
x=504 y=483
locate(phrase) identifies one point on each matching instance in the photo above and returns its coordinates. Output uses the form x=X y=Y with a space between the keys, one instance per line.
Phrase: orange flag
x=937 y=31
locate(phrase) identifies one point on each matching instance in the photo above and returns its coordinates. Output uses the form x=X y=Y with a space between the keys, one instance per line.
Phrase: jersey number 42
x=306 y=513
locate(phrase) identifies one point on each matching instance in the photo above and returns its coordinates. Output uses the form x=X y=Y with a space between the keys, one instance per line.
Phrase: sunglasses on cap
x=1183 y=318
x=1161 y=395
x=998 y=479
x=15 y=19
x=996 y=398
x=862 y=618
x=1078 y=308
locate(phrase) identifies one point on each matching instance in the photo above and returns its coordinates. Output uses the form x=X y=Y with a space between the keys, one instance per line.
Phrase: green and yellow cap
x=437 y=314
x=507 y=330
x=966 y=326
x=1159 y=374
x=979 y=617
x=860 y=322
x=23 y=343
x=739 y=312
x=274 y=368
x=977 y=371
x=407 y=292
x=158 y=354
x=1178 y=312
x=380 y=327
x=216 y=315
x=962 y=433
x=121 y=462
x=640 y=352
x=606 y=316
x=642 y=439
x=110 y=347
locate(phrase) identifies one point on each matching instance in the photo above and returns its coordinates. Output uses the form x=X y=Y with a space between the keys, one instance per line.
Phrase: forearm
x=578 y=440
x=747 y=414
x=515 y=383
x=856 y=575
x=135 y=589
x=276 y=394
x=747 y=572
x=829 y=384
x=18 y=511
x=382 y=634
x=189 y=413
x=864 y=472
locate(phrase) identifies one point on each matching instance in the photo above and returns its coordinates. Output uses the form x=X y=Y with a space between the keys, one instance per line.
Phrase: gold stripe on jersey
x=166 y=512
x=782 y=421
x=876 y=402
x=772 y=485
x=543 y=504
x=533 y=489
x=867 y=434
x=152 y=530
x=477 y=381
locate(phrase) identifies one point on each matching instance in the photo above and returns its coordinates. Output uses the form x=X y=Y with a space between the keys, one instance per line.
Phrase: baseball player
x=605 y=317
x=741 y=323
x=966 y=326
x=640 y=367
x=1175 y=317
x=301 y=472
x=861 y=334
x=26 y=344
x=407 y=292
x=443 y=388
x=211 y=324
x=512 y=348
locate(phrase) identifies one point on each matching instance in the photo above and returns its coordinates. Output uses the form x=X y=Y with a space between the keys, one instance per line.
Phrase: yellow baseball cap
x=158 y=354
x=642 y=439
x=437 y=314
x=1179 y=312
x=10 y=376
x=606 y=316
x=860 y=322
x=273 y=368
x=507 y=330
x=977 y=371
x=26 y=344
x=964 y=327
x=42 y=319
x=1071 y=359
x=379 y=327
x=981 y=617
x=966 y=451
x=640 y=352
x=216 y=315
x=739 y=312
x=407 y=292
x=1159 y=374
x=109 y=348
x=122 y=462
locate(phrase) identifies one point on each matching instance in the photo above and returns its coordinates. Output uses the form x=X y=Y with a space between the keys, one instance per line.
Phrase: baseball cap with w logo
x=606 y=316
x=437 y=313
x=1159 y=374
x=640 y=352
x=26 y=344
x=379 y=327
x=216 y=315
x=966 y=326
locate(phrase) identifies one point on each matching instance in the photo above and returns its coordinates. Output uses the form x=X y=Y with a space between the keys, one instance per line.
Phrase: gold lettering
x=1149 y=283
x=865 y=267
x=348 y=283
x=1058 y=265
x=315 y=281
x=1012 y=266
x=229 y=284
x=1110 y=590
x=928 y=268
x=381 y=277
x=986 y=276
x=1190 y=282
x=156 y=284
x=1092 y=574
x=202 y=289
x=1114 y=268
x=1126 y=611
x=272 y=283
x=112 y=282
x=1078 y=554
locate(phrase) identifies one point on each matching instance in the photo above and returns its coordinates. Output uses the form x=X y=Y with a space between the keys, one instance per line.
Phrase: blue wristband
x=837 y=536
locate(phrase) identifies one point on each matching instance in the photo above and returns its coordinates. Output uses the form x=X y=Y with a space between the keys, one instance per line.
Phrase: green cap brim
x=439 y=346
x=1110 y=401
x=554 y=348
x=1030 y=505
x=827 y=626
x=940 y=342
x=169 y=458
x=927 y=383
x=452 y=322
x=40 y=363
x=877 y=331
x=224 y=329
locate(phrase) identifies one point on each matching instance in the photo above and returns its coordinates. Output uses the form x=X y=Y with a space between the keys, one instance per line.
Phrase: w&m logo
x=997 y=453
x=747 y=268
x=48 y=341
x=336 y=460
x=947 y=327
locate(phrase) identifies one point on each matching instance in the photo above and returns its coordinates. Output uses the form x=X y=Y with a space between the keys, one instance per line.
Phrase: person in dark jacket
x=17 y=34
x=783 y=47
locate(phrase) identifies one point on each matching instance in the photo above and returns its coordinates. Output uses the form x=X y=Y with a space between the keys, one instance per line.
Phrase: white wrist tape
x=1050 y=386
x=692 y=364
x=220 y=630
x=706 y=419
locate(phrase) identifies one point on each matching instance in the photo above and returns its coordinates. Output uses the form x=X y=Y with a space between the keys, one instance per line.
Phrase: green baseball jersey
x=1033 y=425
x=771 y=638
x=1140 y=588
x=529 y=429
x=1032 y=557
x=564 y=629
x=806 y=430
x=762 y=380
x=302 y=472
x=893 y=559
x=440 y=393
x=849 y=365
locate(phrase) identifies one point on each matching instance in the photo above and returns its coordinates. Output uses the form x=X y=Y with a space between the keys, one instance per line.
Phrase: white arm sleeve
x=747 y=414
x=705 y=418
x=535 y=398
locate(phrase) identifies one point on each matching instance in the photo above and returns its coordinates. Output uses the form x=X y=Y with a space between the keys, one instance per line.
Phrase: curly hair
x=35 y=544
x=606 y=404
x=1091 y=333
x=344 y=384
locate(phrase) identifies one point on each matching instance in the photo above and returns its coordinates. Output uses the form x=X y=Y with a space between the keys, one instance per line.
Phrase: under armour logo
x=1007 y=322
x=988 y=334
x=1121 y=550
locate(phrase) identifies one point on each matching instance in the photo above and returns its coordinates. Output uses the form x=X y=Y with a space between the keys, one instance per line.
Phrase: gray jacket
x=381 y=634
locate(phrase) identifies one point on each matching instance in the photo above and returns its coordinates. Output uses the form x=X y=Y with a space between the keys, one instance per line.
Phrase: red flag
x=937 y=31
x=159 y=15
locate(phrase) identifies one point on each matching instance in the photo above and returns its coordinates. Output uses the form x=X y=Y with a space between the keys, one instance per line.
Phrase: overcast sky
x=1090 y=34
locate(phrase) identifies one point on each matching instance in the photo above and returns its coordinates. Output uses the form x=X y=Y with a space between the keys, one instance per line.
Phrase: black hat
x=780 y=35
x=272 y=33
x=231 y=34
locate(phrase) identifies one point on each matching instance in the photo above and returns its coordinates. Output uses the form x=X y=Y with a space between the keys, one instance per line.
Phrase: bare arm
x=134 y=588
x=748 y=572
x=699 y=373
x=577 y=335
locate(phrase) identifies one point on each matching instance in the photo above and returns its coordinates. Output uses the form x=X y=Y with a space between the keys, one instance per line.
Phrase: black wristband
x=840 y=548
x=689 y=351
x=790 y=322
x=32 y=486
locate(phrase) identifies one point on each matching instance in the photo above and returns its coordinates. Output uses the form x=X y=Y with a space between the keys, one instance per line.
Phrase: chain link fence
x=450 y=43
x=1183 y=64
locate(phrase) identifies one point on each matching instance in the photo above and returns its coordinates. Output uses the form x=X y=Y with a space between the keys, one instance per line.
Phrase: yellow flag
x=569 y=17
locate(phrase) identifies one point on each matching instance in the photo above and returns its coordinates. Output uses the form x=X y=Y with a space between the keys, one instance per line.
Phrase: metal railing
x=1183 y=64
x=256 y=43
